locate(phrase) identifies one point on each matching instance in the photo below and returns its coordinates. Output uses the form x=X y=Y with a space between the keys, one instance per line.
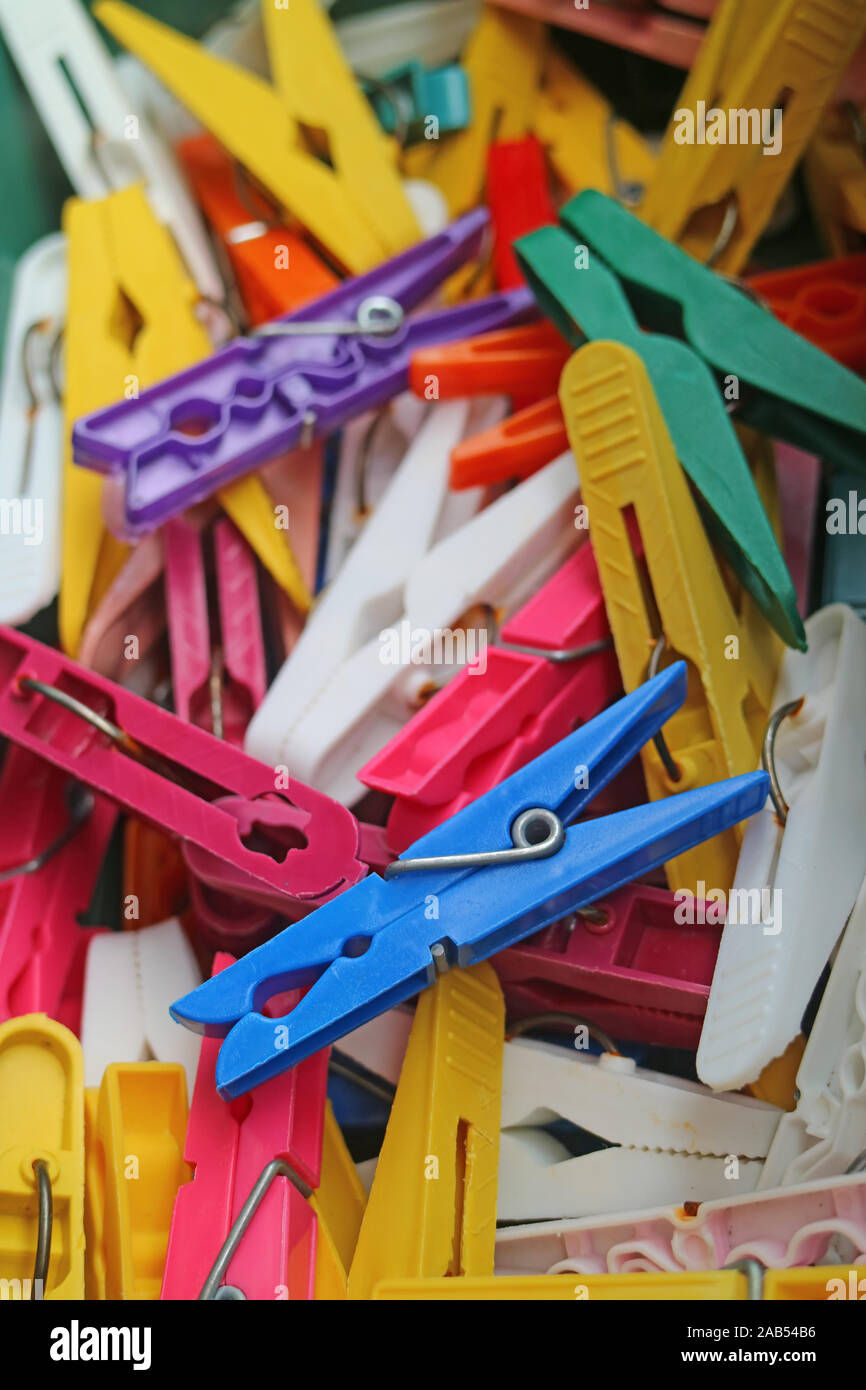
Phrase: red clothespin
x=825 y=302
x=554 y=668
x=519 y=201
x=525 y=361
x=516 y=448
x=629 y=963
x=54 y=835
x=236 y=1149
x=275 y=268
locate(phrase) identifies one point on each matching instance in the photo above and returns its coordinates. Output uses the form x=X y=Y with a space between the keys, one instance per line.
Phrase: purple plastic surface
x=194 y=432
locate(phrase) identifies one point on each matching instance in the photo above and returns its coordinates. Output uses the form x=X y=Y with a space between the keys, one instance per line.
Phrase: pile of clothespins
x=432 y=813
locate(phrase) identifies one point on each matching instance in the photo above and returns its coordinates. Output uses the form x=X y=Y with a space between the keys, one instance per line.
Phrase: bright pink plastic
x=799 y=476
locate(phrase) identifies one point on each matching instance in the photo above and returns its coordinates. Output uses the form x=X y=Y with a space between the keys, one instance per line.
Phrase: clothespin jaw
x=339 y=1203
x=42 y=1157
x=135 y=1126
x=432 y=1207
x=358 y=976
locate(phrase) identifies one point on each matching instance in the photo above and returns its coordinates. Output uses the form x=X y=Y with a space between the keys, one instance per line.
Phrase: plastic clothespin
x=788 y=388
x=844 y=575
x=31 y=426
x=485 y=725
x=575 y=287
x=129 y=980
x=181 y=779
x=432 y=1207
x=102 y=144
x=339 y=1203
x=754 y=98
x=374 y=41
x=519 y=200
x=55 y=835
x=132 y=603
x=632 y=949
x=524 y=361
x=666 y=1139
x=827 y=1130
x=676 y=600
x=355 y=206
x=135 y=1124
x=788 y=1226
x=269 y=1150
x=823 y=1283
x=391 y=930
x=799 y=483
x=802 y=861
x=42 y=1158
x=563 y=1288
x=835 y=172
x=407 y=97
x=275 y=269
x=825 y=302
x=516 y=448
x=253 y=399
x=328 y=729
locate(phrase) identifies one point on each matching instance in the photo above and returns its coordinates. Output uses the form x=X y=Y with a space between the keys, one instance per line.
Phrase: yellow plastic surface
x=626 y=460
x=777 y=1083
x=136 y=1127
x=41 y=1116
x=570 y=1288
x=819 y=1283
x=752 y=56
x=432 y=1207
x=836 y=179
x=339 y=1203
x=357 y=209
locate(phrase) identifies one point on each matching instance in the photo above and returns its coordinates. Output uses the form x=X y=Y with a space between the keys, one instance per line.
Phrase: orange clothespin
x=826 y=302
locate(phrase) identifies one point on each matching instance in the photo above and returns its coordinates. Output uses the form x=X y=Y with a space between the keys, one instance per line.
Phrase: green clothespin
x=586 y=301
x=791 y=389
x=408 y=97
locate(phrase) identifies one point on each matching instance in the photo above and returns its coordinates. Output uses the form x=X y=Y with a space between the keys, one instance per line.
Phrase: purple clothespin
x=299 y=378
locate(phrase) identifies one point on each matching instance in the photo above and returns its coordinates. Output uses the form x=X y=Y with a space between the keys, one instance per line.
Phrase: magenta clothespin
x=799 y=479
x=46 y=815
x=483 y=726
x=230 y=1146
x=133 y=604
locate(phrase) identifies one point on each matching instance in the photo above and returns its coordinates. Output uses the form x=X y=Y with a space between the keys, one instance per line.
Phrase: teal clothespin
x=408 y=97
x=586 y=301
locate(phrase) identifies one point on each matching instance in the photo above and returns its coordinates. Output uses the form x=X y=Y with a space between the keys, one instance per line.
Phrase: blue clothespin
x=502 y=868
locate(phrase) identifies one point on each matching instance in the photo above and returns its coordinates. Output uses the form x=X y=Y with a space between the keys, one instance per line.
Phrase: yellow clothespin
x=41 y=1160
x=610 y=154
x=751 y=103
x=676 y=601
x=131 y=321
x=718 y=1285
x=339 y=1203
x=817 y=1284
x=135 y=1129
x=835 y=168
x=432 y=1207
x=355 y=205
x=503 y=61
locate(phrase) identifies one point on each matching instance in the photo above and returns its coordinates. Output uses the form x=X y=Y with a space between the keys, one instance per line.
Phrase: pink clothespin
x=132 y=605
x=294 y=481
x=554 y=668
x=626 y=963
x=799 y=476
x=54 y=835
x=237 y=1148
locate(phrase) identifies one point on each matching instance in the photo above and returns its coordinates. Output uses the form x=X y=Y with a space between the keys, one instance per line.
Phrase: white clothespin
x=815 y=1223
x=494 y=561
x=380 y=40
x=827 y=1131
x=675 y=1140
x=31 y=431
x=130 y=979
x=797 y=878
x=101 y=143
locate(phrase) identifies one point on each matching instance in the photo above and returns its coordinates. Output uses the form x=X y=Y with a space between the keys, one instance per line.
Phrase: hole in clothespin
x=356 y=946
x=194 y=418
x=317 y=142
x=276 y=842
x=126 y=322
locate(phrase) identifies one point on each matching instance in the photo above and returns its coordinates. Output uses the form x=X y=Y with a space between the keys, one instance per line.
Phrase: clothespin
x=678 y=598
x=432 y=1207
x=835 y=171
x=844 y=575
x=374 y=41
x=524 y=361
x=55 y=835
x=135 y=1124
x=636 y=25
x=733 y=141
x=485 y=906
x=416 y=101
x=131 y=604
x=827 y=1130
x=339 y=1203
x=129 y=980
x=484 y=725
x=789 y=389
x=276 y=270
x=179 y=441
x=665 y=1139
x=519 y=201
x=822 y=1283
x=799 y=483
x=700 y=428
x=102 y=144
x=802 y=861
x=189 y=784
x=355 y=205
x=563 y=1288
x=42 y=1158
x=245 y=1222
x=329 y=728
x=825 y=302
x=787 y=1226
x=634 y=951
x=516 y=448
x=31 y=428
